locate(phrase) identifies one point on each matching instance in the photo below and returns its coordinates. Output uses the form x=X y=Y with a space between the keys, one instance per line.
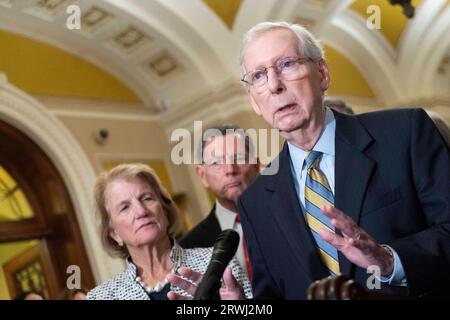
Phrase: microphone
x=224 y=249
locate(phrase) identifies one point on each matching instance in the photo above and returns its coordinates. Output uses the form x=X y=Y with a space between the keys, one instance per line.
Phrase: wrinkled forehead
x=269 y=47
x=121 y=188
x=230 y=144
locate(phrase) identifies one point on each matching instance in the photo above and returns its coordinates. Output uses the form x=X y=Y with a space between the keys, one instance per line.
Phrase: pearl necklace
x=157 y=288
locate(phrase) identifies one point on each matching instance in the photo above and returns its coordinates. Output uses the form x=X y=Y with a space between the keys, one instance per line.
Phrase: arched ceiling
x=393 y=21
x=225 y=10
x=343 y=73
x=179 y=56
x=41 y=69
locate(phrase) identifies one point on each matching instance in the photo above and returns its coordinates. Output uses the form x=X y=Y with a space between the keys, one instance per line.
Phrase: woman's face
x=137 y=217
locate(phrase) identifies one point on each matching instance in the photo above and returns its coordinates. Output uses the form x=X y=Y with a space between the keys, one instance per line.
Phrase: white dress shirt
x=227 y=220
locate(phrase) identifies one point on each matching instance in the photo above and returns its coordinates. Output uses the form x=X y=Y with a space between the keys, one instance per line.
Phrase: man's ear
x=324 y=75
x=255 y=105
x=201 y=174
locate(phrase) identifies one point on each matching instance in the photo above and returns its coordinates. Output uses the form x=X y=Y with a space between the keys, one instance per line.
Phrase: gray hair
x=223 y=130
x=131 y=171
x=308 y=45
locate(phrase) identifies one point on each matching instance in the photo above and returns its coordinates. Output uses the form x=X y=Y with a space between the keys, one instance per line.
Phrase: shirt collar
x=226 y=217
x=325 y=144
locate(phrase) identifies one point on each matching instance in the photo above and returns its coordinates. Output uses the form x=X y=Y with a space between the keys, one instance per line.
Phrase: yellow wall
x=17 y=207
x=225 y=10
x=393 y=20
x=346 y=80
x=41 y=69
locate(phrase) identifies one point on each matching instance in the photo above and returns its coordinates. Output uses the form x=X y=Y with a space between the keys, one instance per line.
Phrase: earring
x=120 y=243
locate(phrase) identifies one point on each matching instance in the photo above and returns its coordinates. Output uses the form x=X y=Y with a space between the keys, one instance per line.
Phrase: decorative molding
x=421 y=48
x=176 y=28
x=105 y=115
x=64 y=103
x=433 y=49
x=209 y=106
x=96 y=109
x=97 y=56
x=163 y=65
x=368 y=51
x=28 y=115
x=94 y=18
x=129 y=40
x=444 y=66
x=47 y=9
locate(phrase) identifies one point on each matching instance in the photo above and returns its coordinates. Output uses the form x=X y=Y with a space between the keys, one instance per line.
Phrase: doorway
x=38 y=216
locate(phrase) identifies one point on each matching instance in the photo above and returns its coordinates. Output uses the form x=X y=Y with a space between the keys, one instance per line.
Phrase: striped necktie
x=317 y=194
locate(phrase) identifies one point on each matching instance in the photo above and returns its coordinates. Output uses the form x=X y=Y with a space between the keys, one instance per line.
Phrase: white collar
x=226 y=217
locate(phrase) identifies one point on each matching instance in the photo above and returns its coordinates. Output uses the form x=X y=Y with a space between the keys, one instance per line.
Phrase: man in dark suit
x=223 y=169
x=352 y=193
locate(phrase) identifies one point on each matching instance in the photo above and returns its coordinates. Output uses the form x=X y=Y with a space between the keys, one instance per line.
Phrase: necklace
x=149 y=289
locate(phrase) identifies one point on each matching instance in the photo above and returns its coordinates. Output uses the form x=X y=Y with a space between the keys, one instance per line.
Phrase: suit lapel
x=352 y=171
x=286 y=208
x=211 y=227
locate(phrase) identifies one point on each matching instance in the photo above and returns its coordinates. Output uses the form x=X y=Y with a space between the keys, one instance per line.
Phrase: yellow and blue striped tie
x=317 y=194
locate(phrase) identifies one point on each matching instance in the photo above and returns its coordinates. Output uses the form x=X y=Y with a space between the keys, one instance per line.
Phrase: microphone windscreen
x=224 y=249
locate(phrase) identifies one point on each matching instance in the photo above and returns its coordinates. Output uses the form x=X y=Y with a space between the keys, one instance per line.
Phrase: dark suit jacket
x=204 y=234
x=392 y=173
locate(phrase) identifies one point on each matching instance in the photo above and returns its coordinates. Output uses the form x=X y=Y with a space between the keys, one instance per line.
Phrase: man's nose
x=230 y=167
x=274 y=84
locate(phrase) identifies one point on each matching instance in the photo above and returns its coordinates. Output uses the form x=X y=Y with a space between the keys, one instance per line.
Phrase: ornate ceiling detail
x=115 y=40
x=444 y=67
x=163 y=65
x=130 y=39
x=175 y=50
x=225 y=10
x=47 y=9
x=94 y=18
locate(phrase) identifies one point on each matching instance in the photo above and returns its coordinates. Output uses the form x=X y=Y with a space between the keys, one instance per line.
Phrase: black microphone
x=224 y=249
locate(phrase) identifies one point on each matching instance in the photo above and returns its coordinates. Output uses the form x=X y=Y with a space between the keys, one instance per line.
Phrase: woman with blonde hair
x=138 y=223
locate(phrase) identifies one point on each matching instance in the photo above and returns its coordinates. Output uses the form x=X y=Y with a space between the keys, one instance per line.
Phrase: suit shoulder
x=266 y=179
x=257 y=184
x=396 y=119
x=395 y=116
x=203 y=234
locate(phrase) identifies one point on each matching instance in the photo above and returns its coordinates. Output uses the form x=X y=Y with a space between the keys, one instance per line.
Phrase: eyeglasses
x=286 y=69
x=238 y=159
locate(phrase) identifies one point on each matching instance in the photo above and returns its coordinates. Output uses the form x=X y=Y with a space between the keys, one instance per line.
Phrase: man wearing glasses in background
x=228 y=166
